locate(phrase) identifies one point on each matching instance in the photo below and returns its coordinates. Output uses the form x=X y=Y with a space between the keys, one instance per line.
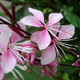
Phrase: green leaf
x=73 y=19
x=65 y=76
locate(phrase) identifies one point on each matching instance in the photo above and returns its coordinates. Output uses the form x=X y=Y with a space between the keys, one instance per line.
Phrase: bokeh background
x=71 y=11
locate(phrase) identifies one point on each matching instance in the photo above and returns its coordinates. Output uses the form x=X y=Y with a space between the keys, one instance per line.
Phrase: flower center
x=55 y=41
x=10 y=46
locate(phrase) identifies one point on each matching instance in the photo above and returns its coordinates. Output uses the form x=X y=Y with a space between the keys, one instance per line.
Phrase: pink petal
x=4 y=37
x=32 y=57
x=31 y=21
x=66 y=32
x=1 y=73
x=54 y=18
x=38 y=14
x=8 y=61
x=55 y=27
x=42 y=38
x=21 y=25
x=48 y=55
x=15 y=37
x=0 y=58
x=43 y=73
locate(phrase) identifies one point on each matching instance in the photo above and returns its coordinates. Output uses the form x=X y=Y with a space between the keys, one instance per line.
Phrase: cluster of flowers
x=15 y=51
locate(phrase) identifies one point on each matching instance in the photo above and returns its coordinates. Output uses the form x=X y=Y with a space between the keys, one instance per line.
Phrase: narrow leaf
x=73 y=19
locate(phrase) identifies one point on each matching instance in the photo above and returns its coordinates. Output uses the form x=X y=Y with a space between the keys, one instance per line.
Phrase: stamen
x=62 y=51
x=23 y=43
x=73 y=53
x=66 y=44
x=19 y=58
x=26 y=49
x=59 y=54
x=64 y=13
x=14 y=75
x=68 y=39
x=70 y=50
x=57 y=51
x=19 y=74
x=75 y=45
x=53 y=34
x=21 y=67
x=23 y=49
x=61 y=10
x=15 y=52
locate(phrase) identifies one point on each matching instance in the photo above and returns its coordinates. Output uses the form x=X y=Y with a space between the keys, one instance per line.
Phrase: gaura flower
x=42 y=37
x=7 y=62
x=8 y=58
x=65 y=33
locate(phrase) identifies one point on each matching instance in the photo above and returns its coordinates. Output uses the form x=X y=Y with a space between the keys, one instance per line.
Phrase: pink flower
x=65 y=33
x=42 y=37
x=77 y=63
x=8 y=59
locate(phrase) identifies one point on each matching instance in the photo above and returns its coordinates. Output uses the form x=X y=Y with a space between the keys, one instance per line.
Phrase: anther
x=25 y=67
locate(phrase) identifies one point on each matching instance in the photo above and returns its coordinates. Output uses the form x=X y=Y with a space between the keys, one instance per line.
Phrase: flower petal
x=66 y=31
x=38 y=14
x=54 y=18
x=8 y=61
x=4 y=37
x=42 y=38
x=48 y=55
x=0 y=58
x=1 y=73
x=31 y=21
x=15 y=37
x=55 y=28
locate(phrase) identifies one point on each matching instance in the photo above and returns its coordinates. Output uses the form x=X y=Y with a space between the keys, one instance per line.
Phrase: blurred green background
x=71 y=12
